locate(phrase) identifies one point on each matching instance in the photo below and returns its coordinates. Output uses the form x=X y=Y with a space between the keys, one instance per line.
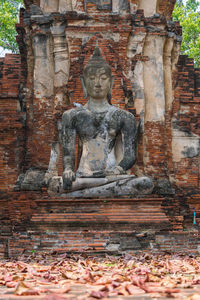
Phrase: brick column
x=154 y=117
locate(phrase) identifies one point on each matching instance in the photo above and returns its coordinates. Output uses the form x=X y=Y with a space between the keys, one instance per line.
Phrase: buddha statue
x=108 y=139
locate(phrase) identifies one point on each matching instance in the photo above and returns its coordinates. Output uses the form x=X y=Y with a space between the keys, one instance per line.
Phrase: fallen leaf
x=140 y=282
x=152 y=278
x=132 y=289
x=122 y=291
x=62 y=290
x=23 y=289
x=8 y=278
x=98 y=294
x=193 y=297
x=70 y=275
x=54 y=297
x=11 y=284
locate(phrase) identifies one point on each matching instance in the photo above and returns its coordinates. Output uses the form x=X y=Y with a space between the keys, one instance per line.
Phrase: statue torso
x=97 y=133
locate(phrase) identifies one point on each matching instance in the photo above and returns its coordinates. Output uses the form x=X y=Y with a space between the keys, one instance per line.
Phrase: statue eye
x=92 y=77
x=104 y=77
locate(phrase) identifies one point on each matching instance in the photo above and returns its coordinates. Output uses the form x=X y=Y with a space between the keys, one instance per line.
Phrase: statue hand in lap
x=68 y=177
x=116 y=171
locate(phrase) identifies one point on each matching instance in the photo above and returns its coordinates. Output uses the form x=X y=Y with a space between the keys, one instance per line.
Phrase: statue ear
x=110 y=91
x=84 y=88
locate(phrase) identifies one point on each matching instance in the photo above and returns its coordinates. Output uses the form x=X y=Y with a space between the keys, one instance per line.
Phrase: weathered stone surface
x=129 y=243
x=98 y=132
x=135 y=48
x=184 y=145
x=35 y=10
x=61 y=55
x=43 y=71
x=33 y=180
x=56 y=183
x=103 y=4
x=119 y=188
x=49 y=5
x=98 y=125
x=153 y=79
x=66 y=43
x=163 y=187
x=111 y=186
x=149 y=7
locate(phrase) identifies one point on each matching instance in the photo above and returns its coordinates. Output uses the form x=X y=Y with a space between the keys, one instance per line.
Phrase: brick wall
x=12 y=135
x=12 y=122
x=23 y=213
x=186 y=113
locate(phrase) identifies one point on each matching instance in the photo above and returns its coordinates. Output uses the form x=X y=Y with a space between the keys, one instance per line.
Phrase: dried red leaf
x=11 y=284
x=152 y=278
x=132 y=289
x=98 y=294
x=193 y=297
x=172 y=291
x=196 y=281
x=62 y=290
x=122 y=291
x=70 y=275
x=140 y=282
x=22 y=289
x=54 y=297
x=8 y=278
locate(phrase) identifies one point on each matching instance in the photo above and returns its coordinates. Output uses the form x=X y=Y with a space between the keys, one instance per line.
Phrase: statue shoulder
x=124 y=115
x=70 y=113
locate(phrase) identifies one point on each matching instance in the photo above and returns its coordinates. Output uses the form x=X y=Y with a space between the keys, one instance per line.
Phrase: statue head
x=97 y=79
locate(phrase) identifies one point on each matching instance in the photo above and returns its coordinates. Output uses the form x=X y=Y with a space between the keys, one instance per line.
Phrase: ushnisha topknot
x=97 y=61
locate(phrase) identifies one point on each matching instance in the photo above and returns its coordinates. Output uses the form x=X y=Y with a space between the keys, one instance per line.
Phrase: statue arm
x=129 y=140
x=69 y=144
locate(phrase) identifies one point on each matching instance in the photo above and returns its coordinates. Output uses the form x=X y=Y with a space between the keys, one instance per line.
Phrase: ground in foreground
x=130 y=276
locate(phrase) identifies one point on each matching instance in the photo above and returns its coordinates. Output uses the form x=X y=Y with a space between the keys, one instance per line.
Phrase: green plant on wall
x=188 y=14
x=9 y=11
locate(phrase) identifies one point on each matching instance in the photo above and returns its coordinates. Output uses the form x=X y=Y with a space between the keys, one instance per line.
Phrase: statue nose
x=97 y=82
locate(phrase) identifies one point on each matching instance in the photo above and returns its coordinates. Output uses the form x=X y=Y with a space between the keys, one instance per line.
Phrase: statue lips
x=98 y=88
x=99 y=92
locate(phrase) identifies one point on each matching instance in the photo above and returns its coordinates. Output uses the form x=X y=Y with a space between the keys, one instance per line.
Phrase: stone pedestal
x=91 y=225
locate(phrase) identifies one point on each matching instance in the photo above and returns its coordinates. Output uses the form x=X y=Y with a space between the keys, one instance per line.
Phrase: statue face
x=97 y=83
